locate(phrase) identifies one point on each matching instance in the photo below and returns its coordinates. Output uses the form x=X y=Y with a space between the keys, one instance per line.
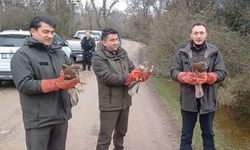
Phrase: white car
x=10 y=42
x=75 y=43
x=93 y=33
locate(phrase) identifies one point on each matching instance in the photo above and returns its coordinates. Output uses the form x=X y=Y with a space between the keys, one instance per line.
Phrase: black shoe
x=89 y=69
x=83 y=69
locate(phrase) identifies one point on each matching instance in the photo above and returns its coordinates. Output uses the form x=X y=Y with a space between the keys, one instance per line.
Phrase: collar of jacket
x=195 y=47
x=31 y=42
x=211 y=49
x=120 y=53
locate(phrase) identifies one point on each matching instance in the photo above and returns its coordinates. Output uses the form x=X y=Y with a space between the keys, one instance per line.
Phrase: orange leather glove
x=211 y=78
x=49 y=85
x=187 y=77
x=201 y=78
x=144 y=76
x=134 y=75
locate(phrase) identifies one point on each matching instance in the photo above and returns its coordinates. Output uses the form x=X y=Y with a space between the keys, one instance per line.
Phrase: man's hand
x=49 y=85
x=144 y=76
x=197 y=78
x=201 y=77
x=133 y=76
x=187 y=77
x=136 y=75
x=211 y=78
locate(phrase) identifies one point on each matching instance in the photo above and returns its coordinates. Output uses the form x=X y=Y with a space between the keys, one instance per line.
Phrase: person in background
x=198 y=50
x=115 y=72
x=37 y=73
x=88 y=46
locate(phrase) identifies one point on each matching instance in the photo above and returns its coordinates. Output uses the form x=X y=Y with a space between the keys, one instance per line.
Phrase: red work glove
x=201 y=78
x=144 y=76
x=187 y=77
x=211 y=78
x=49 y=85
x=134 y=75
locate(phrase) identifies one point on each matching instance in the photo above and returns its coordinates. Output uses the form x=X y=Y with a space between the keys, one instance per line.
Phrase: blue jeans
x=188 y=123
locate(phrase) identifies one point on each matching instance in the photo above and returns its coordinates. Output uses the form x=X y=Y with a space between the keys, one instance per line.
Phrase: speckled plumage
x=199 y=67
x=71 y=71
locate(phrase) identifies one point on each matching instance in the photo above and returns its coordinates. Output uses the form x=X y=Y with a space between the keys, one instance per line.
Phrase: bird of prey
x=70 y=72
x=198 y=68
x=134 y=86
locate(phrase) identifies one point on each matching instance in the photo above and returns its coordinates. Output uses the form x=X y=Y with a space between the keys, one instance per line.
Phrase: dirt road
x=152 y=125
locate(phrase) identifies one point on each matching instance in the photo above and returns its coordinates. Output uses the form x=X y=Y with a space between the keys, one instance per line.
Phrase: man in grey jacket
x=198 y=50
x=114 y=72
x=36 y=69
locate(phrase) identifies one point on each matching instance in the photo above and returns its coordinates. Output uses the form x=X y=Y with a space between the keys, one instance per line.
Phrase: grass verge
x=169 y=90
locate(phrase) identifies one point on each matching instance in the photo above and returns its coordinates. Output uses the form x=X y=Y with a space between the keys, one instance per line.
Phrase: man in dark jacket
x=114 y=72
x=36 y=69
x=198 y=50
x=88 y=47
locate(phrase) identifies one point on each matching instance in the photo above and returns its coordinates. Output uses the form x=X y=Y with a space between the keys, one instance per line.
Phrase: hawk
x=198 y=68
x=70 y=72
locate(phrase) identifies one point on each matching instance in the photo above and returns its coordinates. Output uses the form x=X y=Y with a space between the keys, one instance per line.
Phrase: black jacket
x=88 y=44
x=29 y=65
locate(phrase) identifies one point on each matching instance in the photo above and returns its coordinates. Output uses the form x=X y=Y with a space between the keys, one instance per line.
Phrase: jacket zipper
x=110 y=95
x=123 y=94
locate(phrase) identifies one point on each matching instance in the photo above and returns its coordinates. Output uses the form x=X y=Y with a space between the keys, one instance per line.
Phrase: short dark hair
x=36 y=22
x=108 y=31
x=199 y=24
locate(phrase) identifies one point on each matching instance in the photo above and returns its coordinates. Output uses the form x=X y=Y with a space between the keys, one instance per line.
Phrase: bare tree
x=104 y=11
x=97 y=14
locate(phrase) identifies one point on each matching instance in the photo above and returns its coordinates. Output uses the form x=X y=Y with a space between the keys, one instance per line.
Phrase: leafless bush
x=236 y=94
x=172 y=30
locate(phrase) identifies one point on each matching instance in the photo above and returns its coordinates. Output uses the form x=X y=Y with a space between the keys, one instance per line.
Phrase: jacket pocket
x=30 y=106
x=50 y=104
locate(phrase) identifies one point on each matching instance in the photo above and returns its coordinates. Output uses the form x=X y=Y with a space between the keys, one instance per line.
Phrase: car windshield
x=12 y=40
x=95 y=35
x=80 y=34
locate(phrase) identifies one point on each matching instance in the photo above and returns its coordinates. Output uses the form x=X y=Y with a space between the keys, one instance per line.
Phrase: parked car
x=76 y=49
x=10 y=42
x=58 y=40
x=94 y=33
x=75 y=43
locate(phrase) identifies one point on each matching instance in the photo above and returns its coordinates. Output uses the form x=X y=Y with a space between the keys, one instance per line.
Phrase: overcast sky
x=121 y=5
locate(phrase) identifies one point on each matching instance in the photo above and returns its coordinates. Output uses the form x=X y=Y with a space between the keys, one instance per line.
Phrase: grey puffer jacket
x=182 y=62
x=111 y=71
x=29 y=65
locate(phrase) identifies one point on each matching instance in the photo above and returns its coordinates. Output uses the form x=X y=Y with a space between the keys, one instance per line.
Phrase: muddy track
x=152 y=125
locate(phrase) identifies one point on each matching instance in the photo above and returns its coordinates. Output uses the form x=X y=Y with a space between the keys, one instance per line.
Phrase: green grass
x=169 y=90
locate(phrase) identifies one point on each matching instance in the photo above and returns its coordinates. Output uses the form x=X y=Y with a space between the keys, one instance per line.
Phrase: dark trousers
x=110 y=121
x=51 y=137
x=86 y=59
x=206 y=124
